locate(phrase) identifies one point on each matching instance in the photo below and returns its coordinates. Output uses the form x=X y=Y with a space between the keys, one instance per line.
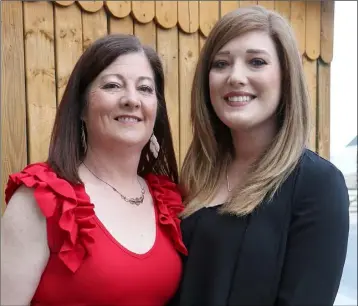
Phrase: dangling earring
x=154 y=146
x=83 y=137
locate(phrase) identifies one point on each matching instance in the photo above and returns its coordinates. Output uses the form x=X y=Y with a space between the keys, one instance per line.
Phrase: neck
x=250 y=144
x=116 y=166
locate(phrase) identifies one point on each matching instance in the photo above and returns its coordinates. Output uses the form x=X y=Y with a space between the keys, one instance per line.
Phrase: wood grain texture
x=119 y=9
x=69 y=46
x=283 y=8
x=208 y=15
x=188 y=16
x=64 y=3
x=143 y=11
x=310 y=69
x=91 y=5
x=327 y=25
x=40 y=76
x=228 y=6
x=13 y=97
x=188 y=57
x=166 y=13
x=123 y=25
x=94 y=26
x=146 y=33
x=298 y=22
x=167 y=48
x=323 y=127
x=313 y=26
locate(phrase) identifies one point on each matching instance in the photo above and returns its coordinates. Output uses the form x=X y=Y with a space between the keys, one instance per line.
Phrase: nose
x=130 y=99
x=238 y=75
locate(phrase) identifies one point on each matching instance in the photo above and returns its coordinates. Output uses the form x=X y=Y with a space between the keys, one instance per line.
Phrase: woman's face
x=245 y=82
x=122 y=102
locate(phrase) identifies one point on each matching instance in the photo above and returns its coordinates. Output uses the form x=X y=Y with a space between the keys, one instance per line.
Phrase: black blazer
x=290 y=251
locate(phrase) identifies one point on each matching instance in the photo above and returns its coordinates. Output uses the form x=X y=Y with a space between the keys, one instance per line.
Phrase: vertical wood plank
x=168 y=51
x=209 y=15
x=310 y=69
x=270 y=5
x=123 y=25
x=247 y=3
x=188 y=56
x=283 y=8
x=188 y=16
x=228 y=6
x=13 y=98
x=327 y=25
x=166 y=13
x=68 y=25
x=94 y=26
x=323 y=133
x=313 y=25
x=40 y=76
x=146 y=33
x=298 y=22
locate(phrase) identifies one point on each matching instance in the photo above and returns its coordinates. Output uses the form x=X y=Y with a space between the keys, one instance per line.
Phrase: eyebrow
x=250 y=51
x=119 y=76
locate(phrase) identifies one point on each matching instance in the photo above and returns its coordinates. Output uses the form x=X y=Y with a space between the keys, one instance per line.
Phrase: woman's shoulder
x=63 y=204
x=168 y=200
x=314 y=168
x=320 y=184
x=37 y=176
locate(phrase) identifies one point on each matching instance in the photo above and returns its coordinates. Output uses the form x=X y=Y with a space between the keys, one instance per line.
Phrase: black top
x=290 y=251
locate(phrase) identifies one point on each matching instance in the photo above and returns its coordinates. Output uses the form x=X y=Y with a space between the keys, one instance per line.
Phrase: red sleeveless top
x=87 y=266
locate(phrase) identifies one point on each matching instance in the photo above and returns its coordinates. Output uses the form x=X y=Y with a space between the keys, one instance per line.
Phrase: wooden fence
x=42 y=40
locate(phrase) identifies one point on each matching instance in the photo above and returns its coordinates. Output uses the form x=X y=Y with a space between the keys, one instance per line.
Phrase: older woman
x=97 y=223
x=266 y=219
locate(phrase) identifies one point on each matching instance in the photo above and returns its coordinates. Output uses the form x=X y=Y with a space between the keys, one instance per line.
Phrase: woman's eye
x=220 y=64
x=111 y=86
x=146 y=89
x=257 y=62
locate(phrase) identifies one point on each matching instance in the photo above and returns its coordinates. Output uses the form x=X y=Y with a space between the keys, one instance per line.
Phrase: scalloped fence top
x=311 y=20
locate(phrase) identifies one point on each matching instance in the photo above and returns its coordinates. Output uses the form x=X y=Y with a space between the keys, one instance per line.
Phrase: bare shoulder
x=23 y=215
x=24 y=248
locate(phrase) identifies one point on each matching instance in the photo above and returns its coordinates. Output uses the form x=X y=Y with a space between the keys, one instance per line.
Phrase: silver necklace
x=134 y=201
x=227 y=181
x=229 y=189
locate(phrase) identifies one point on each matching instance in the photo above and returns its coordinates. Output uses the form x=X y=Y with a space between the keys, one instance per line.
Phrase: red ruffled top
x=70 y=207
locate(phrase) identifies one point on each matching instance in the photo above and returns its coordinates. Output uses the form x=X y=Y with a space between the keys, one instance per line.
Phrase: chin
x=131 y=140
x=237 y=122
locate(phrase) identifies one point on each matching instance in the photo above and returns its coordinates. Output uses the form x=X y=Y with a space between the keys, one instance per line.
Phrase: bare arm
x=24 y=248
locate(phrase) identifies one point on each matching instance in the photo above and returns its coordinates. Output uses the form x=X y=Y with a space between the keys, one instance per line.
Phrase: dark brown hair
x=66 y=151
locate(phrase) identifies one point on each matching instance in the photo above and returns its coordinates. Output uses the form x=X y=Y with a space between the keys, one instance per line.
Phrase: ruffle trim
x=169 y=204
x=55 y=195
x=76 y=211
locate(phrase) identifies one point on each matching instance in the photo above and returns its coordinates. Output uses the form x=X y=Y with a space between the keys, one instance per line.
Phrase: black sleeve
x=318 y=236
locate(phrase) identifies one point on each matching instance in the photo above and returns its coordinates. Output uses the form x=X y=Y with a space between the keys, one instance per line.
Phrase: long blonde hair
x=211 y=148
